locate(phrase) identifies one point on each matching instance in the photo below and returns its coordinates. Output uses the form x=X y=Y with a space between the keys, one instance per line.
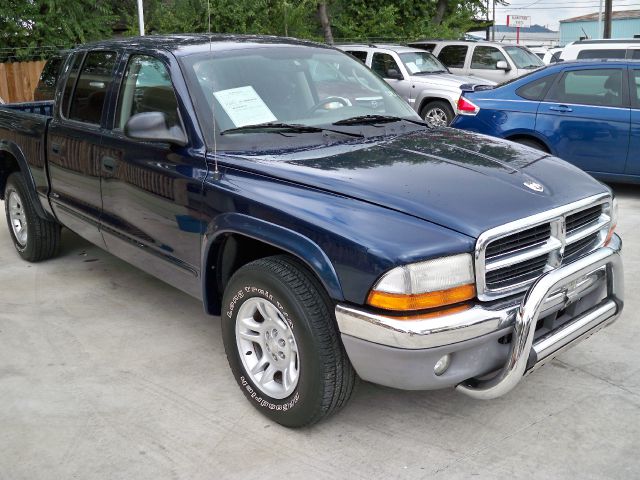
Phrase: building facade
x=625 y=24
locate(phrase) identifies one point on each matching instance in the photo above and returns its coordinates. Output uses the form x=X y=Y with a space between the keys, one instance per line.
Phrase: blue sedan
x=585 y=112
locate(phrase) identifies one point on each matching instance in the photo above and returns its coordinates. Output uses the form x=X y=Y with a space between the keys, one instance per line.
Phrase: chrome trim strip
x=557 y=219
x=531 y=309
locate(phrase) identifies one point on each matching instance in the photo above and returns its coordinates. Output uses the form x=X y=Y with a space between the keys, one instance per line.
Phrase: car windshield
x=278 y=88
x=417 y=63
x=523 y=58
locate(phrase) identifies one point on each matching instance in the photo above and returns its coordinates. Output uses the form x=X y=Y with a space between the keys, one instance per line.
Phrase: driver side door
x=386 y=65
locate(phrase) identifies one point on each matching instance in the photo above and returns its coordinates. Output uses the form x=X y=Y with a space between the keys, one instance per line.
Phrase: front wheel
x=437 y=114
x=34 y=237
x=282 y=343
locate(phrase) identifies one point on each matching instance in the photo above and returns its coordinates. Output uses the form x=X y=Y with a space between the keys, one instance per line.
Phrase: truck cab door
x=73 y=143
x=152 y=191
x=633 y=159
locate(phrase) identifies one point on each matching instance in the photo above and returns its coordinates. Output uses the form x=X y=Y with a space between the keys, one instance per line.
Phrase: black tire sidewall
x=305 y=401
x=16 y=184
x=438 y=104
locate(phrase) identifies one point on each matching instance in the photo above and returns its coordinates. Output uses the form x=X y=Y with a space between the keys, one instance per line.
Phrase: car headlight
x=430 y=284
x=613 y=214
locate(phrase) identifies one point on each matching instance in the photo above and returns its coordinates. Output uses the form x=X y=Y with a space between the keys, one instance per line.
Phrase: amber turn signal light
x=421 y=301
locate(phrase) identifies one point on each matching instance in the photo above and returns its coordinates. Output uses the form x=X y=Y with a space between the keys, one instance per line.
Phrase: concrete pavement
x=107 y=373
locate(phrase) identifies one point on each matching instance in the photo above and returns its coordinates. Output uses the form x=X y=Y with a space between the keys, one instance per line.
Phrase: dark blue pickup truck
x=293 y=192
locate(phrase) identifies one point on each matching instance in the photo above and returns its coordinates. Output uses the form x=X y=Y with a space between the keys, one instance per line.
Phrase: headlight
x=430 y=284
x=613 y=213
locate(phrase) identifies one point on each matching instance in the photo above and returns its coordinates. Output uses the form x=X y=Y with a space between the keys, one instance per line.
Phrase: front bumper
x=563 y=307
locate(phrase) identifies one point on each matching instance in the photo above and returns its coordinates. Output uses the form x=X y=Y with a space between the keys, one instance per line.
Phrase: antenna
x=216 y=172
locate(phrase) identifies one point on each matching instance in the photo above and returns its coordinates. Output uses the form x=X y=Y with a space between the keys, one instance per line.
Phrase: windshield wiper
x=371 y=119
x=428 y=72
x=289 y=127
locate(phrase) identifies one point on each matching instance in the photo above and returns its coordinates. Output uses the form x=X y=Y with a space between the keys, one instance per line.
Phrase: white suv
x=492 y=61
x=418 y=77
x=600 y=49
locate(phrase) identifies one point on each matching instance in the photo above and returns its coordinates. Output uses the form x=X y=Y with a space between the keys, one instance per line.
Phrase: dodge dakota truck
x=333 y=233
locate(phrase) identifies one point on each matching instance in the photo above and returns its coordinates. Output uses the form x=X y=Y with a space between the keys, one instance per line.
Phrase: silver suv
x=418 y=77
x=491 y=61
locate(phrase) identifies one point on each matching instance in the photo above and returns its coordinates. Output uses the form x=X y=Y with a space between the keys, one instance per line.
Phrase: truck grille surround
x=511 y=257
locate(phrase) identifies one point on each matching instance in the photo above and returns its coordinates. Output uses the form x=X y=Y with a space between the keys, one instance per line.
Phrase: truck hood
x=448 y=80
x=463 y=181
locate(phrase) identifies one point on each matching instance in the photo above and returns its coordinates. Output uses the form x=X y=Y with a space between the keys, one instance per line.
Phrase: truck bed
x=44 y=108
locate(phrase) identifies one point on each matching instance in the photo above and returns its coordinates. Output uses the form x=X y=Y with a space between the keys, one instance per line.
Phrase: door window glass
x=362 y=56
x=71 y=83
x=486 y=58
x=602 y=53
x=589 y=87
x=91 y=89
x=634 y=54
x=635 y=86
x=146 y=87
x=382 y=63
x=453 y=55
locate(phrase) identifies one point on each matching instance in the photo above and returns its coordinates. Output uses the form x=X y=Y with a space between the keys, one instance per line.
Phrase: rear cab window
x=598 y=87
x=92 y=85
x=453 y=56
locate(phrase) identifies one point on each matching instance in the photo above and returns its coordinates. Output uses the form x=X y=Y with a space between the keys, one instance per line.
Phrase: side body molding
x=280 y=237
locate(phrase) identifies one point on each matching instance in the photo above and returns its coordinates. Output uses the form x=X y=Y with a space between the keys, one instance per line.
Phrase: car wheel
x=529 y=142
x=437 y=114
x=282 y=343
x=34 y=237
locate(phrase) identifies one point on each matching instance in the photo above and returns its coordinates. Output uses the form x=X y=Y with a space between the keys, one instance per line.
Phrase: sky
x=549 y=12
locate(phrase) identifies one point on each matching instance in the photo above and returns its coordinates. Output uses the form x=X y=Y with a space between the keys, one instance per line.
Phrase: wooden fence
x=18 y=80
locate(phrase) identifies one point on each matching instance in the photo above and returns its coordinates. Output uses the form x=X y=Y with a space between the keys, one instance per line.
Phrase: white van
x=609 y=48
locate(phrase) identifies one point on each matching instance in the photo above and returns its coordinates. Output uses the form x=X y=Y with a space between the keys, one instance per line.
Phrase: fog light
x=442 y=365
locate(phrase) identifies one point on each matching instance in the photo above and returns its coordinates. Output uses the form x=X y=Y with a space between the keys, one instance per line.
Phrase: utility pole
x=600 y=21
x=608 y=11
x=493 y=27
x=141 y=18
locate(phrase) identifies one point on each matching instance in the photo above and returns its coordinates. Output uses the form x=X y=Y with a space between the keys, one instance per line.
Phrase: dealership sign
x=519 y=21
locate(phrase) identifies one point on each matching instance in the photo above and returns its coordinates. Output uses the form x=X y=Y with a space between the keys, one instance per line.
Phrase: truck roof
x=181 y=44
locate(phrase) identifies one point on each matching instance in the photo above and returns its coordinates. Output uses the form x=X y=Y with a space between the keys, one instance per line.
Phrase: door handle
x=561 y=108
x=108 y=164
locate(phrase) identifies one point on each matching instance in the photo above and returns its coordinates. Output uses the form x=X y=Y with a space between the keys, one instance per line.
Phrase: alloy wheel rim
x=267 y=347
x=17 y=218
x=436 y=117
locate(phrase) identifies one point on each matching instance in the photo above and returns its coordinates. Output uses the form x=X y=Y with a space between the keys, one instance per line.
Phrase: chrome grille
x=511 y=257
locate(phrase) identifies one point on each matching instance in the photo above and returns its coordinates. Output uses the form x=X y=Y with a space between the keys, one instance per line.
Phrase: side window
x=453 y=55
x=362 y=56
x=381 y=63
x=589 y=87
x=635 y=87
x=555 y=58
x=536 y=89
x=146 y=87
x=71 y=83
x=601 y=53
x=91 y=89
x=634 y=54
x=49 y=74
x=486 y=58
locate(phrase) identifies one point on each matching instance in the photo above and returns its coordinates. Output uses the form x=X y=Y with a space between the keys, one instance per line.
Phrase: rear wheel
x=282 y=343
x=34 y=237
x=437 y=114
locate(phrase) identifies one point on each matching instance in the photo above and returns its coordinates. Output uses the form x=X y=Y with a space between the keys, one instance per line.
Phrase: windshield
x=293 y=85
x=523 y=58
x=421 y=62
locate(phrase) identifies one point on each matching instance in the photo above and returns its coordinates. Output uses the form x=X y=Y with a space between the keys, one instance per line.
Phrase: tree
x=35 y=28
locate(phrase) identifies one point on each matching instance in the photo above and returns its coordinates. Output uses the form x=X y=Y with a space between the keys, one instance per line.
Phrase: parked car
x=418 y=77
x=552 y=56
x=580 y=111
x=497 y=62
x=332 y=236
x=46 y=87
x=602 y=49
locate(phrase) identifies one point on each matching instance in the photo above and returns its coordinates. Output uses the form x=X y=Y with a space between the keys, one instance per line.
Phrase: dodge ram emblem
x=536 y=187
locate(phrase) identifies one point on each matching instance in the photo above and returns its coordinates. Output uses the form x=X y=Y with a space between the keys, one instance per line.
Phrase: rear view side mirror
x=394 y=74
x=152 y=127
x=502 y=65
